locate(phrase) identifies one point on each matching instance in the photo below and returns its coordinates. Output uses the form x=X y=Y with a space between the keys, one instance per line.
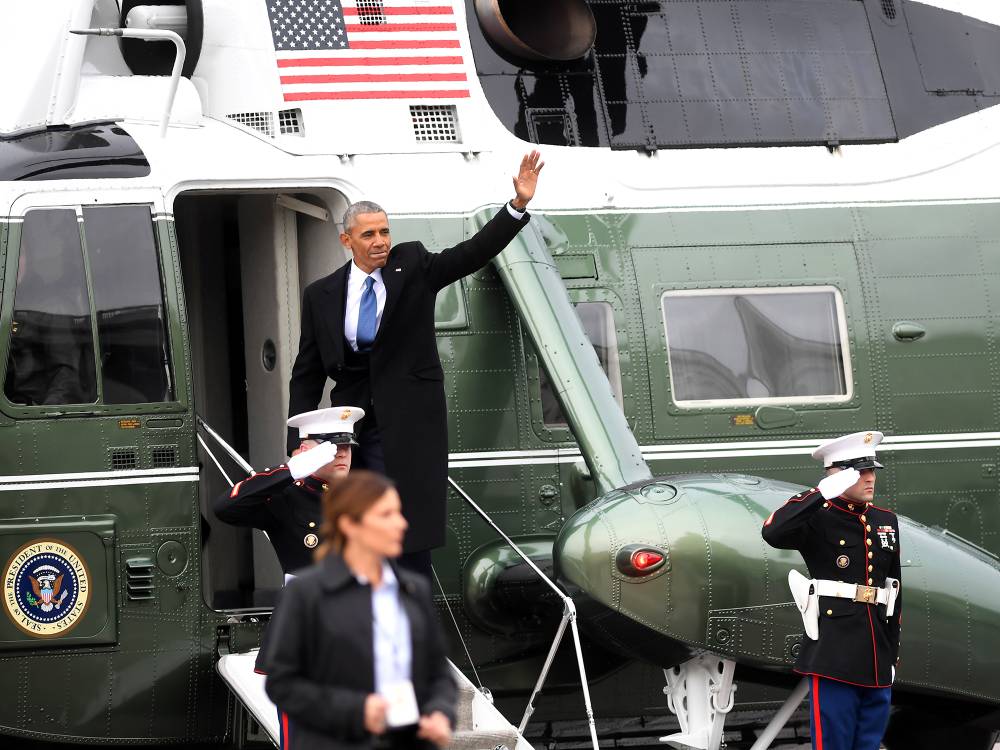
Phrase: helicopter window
x=51 y=359
x=128 y=299
x=599 y=324
x=756 y=346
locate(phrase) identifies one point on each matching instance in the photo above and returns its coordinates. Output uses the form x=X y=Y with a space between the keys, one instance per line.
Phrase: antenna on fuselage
x=151 y=35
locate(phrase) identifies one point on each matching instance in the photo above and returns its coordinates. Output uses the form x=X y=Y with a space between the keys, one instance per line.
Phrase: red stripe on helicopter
x=408 y=10
x=375 y=78
x=415 y=94
x=332 y=62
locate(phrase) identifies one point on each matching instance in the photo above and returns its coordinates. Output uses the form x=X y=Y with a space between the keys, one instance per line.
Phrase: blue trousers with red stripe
x=847 y=717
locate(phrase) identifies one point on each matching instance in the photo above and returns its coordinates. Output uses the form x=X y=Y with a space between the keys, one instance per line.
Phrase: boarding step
x=478 y=725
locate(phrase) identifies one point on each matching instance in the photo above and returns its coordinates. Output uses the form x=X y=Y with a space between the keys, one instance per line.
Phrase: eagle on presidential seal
x=46 y=583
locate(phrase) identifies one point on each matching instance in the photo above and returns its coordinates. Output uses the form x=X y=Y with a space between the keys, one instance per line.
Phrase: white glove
x=835 y=484
x=310 y=461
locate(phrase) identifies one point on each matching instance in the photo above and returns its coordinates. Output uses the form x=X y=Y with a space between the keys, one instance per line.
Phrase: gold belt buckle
x=865 y=594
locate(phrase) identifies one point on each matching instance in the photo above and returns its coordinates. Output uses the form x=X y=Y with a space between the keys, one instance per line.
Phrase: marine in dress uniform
x=851 y=547
x=284 y=502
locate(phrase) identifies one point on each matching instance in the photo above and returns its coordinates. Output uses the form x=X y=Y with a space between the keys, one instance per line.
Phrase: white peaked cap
x=335 y=424
x=854 y=447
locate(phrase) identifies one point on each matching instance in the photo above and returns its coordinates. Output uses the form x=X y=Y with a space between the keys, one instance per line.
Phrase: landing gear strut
x=700 y=693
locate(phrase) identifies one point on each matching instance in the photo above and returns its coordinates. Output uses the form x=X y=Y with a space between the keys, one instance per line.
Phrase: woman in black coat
x=355 y=658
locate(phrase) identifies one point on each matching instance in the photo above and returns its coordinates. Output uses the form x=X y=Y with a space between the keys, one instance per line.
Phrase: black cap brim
x=337 y=438
x=864 y=462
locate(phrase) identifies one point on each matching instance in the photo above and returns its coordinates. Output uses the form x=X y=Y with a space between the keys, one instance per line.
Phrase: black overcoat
x=839 y=539
x=405 y=384
x=319 y=656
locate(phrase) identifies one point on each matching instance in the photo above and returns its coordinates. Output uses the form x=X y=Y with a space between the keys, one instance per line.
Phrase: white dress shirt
x=391 y=644
x=355 y=288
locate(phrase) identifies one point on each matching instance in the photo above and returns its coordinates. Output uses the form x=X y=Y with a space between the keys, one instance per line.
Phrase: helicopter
x=763 y=224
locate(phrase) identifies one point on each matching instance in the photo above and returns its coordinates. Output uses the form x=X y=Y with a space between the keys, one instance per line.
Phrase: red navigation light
x=645 y=559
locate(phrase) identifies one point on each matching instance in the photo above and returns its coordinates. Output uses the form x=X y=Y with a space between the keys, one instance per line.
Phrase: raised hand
x=836 y=484
x=527 y=179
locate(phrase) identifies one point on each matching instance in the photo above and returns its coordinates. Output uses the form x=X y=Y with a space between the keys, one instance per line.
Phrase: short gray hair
x=356 y=209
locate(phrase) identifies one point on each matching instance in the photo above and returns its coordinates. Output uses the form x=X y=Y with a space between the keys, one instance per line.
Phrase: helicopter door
x=246 y=257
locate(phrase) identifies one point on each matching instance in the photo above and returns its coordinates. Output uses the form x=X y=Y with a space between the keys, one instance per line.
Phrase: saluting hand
x=435 y=728
x=527 y=179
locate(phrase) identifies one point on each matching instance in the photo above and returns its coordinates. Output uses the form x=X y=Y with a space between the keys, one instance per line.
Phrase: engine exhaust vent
x=435 y=122
x=123 y=459
x=262 y=122
x=554 y=31
x=139 y=578
x=290 y=122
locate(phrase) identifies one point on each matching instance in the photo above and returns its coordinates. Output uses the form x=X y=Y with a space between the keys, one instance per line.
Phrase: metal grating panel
x=139 y=578
x=262 y=122
x=371 y=12
x=164 y=456
x=290 y=122
x=889 y=9
x=435 y=122
x=122 y=459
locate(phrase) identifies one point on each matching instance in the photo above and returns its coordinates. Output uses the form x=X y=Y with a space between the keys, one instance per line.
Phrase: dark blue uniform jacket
x=856 y=543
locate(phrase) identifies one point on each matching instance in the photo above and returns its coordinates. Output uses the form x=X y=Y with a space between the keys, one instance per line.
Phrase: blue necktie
x=366 y=316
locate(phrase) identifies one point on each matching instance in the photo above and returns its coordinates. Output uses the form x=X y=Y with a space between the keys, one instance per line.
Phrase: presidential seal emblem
x=843 y=561
x=310 y=540
x=46 y=588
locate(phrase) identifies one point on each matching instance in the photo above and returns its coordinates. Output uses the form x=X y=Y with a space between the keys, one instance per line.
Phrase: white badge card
x=403 y=710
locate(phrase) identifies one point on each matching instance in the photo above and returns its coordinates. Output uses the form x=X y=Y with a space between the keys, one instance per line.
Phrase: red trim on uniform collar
x=842 y=503
x=314 y=483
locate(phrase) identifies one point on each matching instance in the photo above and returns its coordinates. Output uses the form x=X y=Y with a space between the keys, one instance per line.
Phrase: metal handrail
x=569 y=617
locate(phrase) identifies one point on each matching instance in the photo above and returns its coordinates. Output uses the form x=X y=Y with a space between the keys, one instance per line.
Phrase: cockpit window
x=753 y=346
x=51 y=357
x=128 y=298
x=599 y=324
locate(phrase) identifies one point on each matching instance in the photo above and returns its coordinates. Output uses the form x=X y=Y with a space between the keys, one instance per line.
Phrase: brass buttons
x=869 y=555
x=298 y=483
x=850 y=506
x=826 y=505
x=868 y=528
x=868 y=542
x=842 y=542
x=312 y=524
x=326 y=487
x=869 y=581
x=870 y=568
x=829 y=611
x=863 y=519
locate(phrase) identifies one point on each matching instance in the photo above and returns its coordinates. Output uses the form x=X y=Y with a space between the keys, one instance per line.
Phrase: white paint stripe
x=97 y=483
x=717 y=450
x=170 y=471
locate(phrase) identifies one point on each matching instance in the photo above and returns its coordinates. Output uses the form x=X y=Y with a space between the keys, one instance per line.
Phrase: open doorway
x=245 y=257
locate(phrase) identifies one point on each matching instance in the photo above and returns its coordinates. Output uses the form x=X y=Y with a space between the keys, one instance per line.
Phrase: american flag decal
x=367 y=49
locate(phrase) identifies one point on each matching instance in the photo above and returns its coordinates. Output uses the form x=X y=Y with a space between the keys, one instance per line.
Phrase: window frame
x=561 y=432
x=822 y=400
x=149 y=200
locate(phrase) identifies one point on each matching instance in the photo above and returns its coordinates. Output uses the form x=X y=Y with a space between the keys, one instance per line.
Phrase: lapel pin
x=397 y=270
